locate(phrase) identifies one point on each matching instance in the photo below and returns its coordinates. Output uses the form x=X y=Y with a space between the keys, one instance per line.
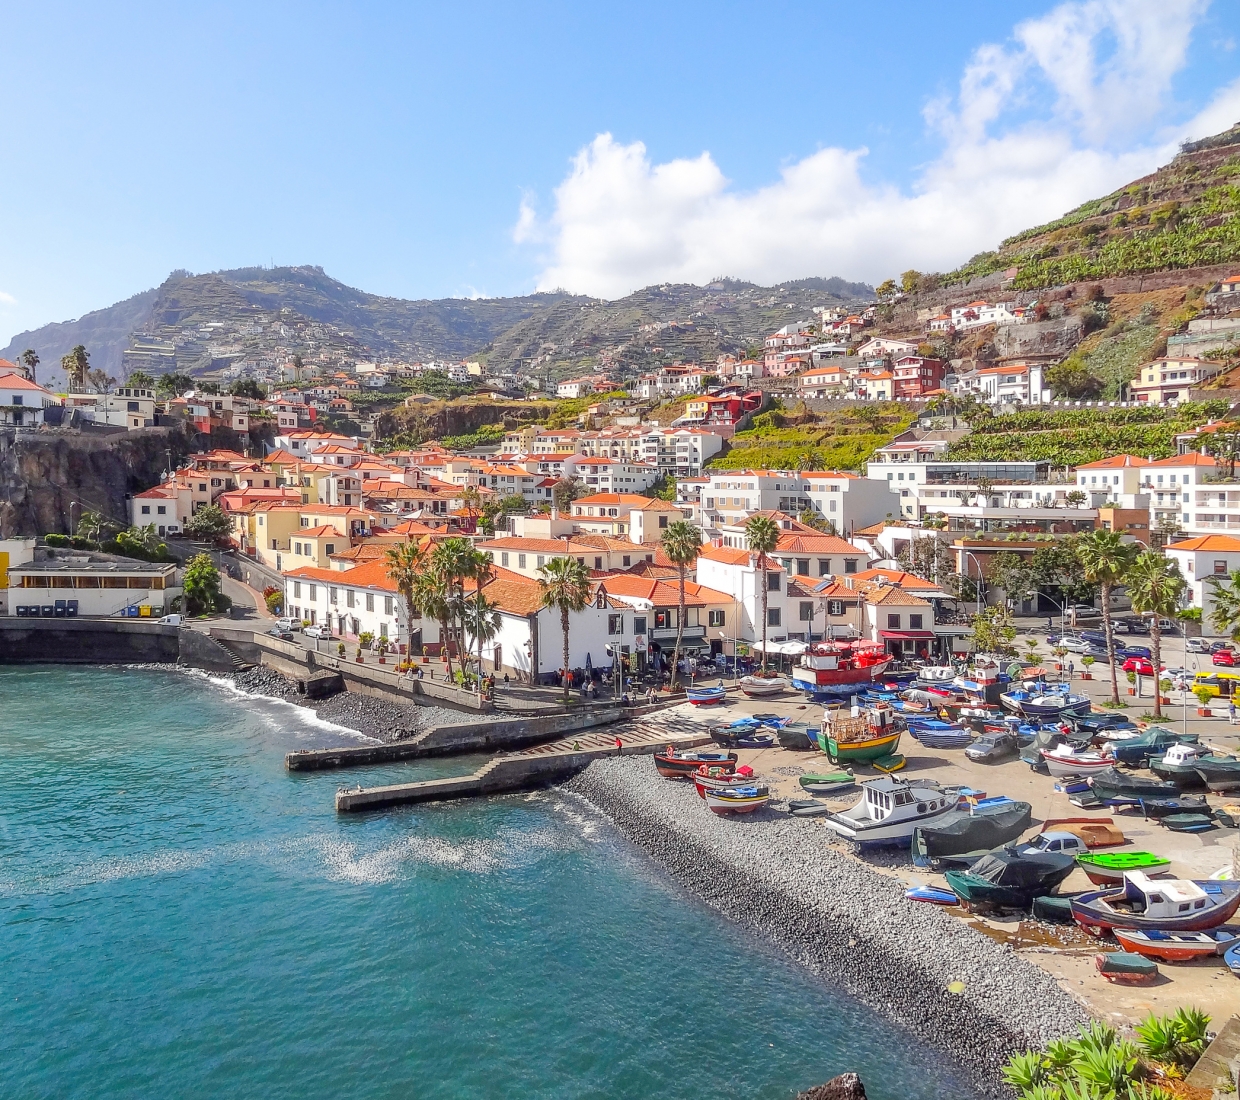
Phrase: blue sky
x=399 y=145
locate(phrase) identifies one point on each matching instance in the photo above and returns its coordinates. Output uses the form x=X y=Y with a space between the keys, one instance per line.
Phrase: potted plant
x=1031 y=644
x=1087 y=661
x=340 y=649
x=365 y=639
x=1132 y=679
x=381 y=647
x=1204 y=695
x=1060 y=654
x=357 y=653
x=1164 y=691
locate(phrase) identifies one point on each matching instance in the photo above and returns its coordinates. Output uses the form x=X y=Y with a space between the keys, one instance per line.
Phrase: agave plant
x=1059 y=1055
x=1025 y=1072
x=1109 y=1070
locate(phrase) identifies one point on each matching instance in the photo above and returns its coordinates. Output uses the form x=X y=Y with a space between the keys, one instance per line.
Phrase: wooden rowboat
x=858 y=752
x=1107 y=868
x=1154 y=943
x=739 y=800
x=681 y=765
x=704 y=780
x=705 y=695
x=1126 y=967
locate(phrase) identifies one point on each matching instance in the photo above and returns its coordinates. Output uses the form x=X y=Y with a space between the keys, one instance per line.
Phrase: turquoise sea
x=181 y=917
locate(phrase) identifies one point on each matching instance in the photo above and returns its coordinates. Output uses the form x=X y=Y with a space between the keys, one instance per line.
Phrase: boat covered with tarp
x=1010 y=880
x=976 y=829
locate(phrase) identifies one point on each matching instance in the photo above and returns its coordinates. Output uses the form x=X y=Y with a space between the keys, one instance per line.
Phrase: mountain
x=1184 y=215
x=197 y=323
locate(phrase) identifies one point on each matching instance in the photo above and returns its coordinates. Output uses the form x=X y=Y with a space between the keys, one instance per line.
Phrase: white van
x=171 y=620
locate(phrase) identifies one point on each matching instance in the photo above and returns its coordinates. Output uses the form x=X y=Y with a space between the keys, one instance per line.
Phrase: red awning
x=907 y=635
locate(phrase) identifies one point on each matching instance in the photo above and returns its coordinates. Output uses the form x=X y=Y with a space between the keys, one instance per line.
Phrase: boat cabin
x=1183 y=755
x=897 y=798
x=1166 y=897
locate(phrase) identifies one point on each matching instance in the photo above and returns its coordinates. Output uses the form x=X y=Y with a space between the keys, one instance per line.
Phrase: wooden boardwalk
x=682 y=727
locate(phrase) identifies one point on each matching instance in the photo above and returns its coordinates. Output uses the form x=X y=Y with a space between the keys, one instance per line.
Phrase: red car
x=1139 y=665
x=1225 y=657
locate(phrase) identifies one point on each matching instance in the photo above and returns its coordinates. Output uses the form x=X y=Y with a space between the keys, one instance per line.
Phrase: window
x=914 y=622
x=824 y=567
x=348 y=598
x=1220 y=567
x=332 y=595
x=714 y=618
x=387 y=605
x=893 y=622
x=639 y=624
x=330 y=548
x=626 y=561
x=503 y=559
x=520 y=561
x=162 y=509
x=835 y=607
x=314 y=591
x=772 y=582
x=541 y=561
x=370 y=601
x=615 y=624
x=662 y=522
x=297 y=590
x=850 y=565
x=598 y=563
x=146 y=509
x=383 y=630
x=772 y=616
x=803 y=566
x=17 y=399
x=807 y=611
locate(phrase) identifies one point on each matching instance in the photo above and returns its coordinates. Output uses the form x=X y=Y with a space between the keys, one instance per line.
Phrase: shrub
x=56 y=540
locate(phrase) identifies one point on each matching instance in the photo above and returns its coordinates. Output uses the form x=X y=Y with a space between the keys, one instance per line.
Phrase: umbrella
x=589 y=667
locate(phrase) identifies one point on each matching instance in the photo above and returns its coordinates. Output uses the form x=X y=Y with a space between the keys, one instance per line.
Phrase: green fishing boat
x=826 y=779
x=860 y=751
x=1107 y=868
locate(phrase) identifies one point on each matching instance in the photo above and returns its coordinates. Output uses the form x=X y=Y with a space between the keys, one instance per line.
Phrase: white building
x=1202 y=560
x=22 y=402
x=847 y=501
x=77 y=585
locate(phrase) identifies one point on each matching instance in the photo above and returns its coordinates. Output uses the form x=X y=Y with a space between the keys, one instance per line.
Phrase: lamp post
x=970 y=556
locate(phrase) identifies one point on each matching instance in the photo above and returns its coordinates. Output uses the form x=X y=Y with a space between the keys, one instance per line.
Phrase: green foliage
x=485 y=435
x=274 y=602
x=1070 y=437
x=663 y=489
x=58 y=541
x=837 y=440
x=437 y=385
x=247 y=387
x=138 y=542
x=209 y=522
x=993 y=631
x=202 y=585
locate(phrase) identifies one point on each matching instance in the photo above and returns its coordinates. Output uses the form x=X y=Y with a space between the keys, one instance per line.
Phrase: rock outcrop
x=847 y=1086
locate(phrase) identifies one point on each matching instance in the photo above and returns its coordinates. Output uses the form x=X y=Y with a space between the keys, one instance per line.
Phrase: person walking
x=619 y=745
x=1071 y=668
x=1231 y=712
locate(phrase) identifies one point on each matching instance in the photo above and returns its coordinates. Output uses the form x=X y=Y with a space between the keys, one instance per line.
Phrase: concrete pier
x=539 y=764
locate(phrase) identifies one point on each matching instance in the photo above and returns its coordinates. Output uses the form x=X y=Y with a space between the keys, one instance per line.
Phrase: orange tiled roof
x=1220 y=543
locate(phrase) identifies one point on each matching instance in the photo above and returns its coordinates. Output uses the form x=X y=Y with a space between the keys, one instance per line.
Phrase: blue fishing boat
x=933 y=894
x=706 y=695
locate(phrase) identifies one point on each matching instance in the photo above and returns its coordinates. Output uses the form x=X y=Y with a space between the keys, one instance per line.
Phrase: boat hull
x=743 y=801
x=1173 y=946
x=1219 y=777
x=758 y=687
x=705 y=696
x=1092 y=913
x=684 y=767
x=858 y=752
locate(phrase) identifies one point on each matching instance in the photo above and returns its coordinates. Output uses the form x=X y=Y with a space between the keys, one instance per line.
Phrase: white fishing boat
x=737 y=800
x=890 y=809
x=1063 y=760
x=937 y=675
x=761 y=686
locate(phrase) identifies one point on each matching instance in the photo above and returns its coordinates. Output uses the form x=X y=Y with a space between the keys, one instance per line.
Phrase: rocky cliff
x=43 y=473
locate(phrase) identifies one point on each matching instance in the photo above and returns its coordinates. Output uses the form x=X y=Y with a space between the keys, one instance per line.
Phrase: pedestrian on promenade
x=1071 y=668
x=619 y=745
x=1231 y=712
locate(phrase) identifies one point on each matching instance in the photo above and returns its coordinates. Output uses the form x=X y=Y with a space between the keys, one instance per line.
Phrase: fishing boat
x=860 y=738
x=1188 y=823
x=935 y=895
x=738 y=800
x=976 y=829
x=700 y=696
x=1219 y=773
x=1111 y=783
x=797 y=738
x=1156 y=943
x=1108 y=868
x=1178 y=765
x=1045 y=703
x=759 y=686
x=1132 y=747
x=890 y=809
x=936 y=675
x=1164 y=807
x=673 y=764
x=820 y=781
x=1229 y=816
x=1232 y=958
x=1126 y=967
x=833 y=665
x=1064 y=760
x=1053 y=909
x=1096 y=834
x=1172 y=905
x=808 y=807
x=1009 y=880
x=713 y=778
x=940 y=735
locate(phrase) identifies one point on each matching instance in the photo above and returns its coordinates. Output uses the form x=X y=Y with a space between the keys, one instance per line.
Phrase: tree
x=1073 y=379
x=247 y=387
x=565 y=586
x=909 y=280
x=1225 y=600
x=565 y=491
x=1076 y=498
x=1011 y=572
x=209 y=522
x=94 y=525
x=927 y=556
x=993 y=631
x=140 y=380
x=75 y=365
x=30 y=359
x=815 y=519
x=101 y=380
x=1156 y=587
x=1105 y=558
x=481 y=570
x=762 y=534
x=885 y=290
x=212 y=388
x=681 y=542
x=433 y=597
x=201 y=584
x=404 y=563
x=173 y=384
x=1225 y=447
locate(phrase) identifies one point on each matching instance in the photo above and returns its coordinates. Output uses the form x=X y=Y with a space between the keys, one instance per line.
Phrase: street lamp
x=969 y=555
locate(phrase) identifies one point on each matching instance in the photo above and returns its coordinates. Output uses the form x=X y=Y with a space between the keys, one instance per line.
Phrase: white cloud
x=7 y=299
x=621 y=222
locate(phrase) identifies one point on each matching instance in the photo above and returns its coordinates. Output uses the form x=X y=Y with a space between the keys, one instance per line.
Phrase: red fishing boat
x=672 y=764
x=829 y=666
x=711 y=777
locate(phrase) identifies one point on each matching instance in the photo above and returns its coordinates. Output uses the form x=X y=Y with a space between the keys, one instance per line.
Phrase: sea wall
x=107 y=642
x=777 y=876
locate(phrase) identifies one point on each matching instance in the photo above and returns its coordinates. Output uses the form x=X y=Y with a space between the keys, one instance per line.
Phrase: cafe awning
x=907 y=635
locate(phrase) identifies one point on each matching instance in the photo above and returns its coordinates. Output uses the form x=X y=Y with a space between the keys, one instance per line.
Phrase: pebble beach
x=776 y=875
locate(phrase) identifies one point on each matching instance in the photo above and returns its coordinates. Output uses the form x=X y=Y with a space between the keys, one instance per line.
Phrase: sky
x=481 y=149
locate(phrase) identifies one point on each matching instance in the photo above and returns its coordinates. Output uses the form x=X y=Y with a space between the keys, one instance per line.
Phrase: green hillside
x=1069 y=437
x=1187 y=214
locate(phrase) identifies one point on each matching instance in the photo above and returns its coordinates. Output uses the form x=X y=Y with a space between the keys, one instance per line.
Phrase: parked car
x=1219 y=645
x=1075 y=644
x=171 y=620
x=1197 y=645
x=1127 y=651
x=1132 y=626
x=283 y=635
x=1140 y=665
x=1084 y=610
x=288 y=624
x=1224 y=657
x=1097 y=637
x=316 y=632
x=1054 y=841
x=990 y=748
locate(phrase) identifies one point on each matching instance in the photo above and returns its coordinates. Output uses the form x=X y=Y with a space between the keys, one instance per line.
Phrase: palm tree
x=681 y=542
x=762 y=534
x=454 y=558
x=482 y=623
x=405 y=563
x=30 y=358
x=1156 y=587
x=565 y=585
x=1225 y=601
x=481 y=572
x=433 y=597
x=75 y=366
x=1105 y=559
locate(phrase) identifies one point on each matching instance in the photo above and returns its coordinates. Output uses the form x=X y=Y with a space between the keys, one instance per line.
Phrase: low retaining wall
x=456 y=738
